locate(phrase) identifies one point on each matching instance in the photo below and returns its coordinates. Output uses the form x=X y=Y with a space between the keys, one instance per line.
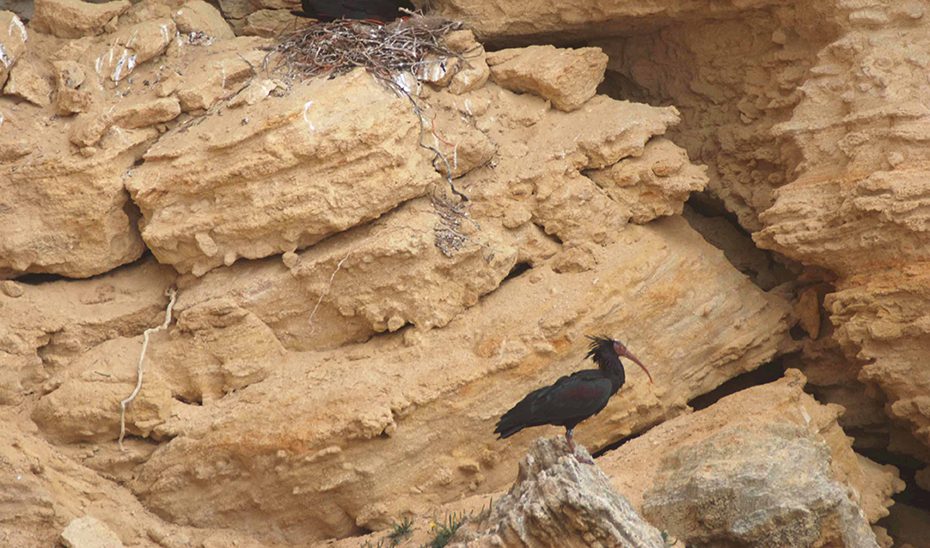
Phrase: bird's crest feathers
x=602 y=352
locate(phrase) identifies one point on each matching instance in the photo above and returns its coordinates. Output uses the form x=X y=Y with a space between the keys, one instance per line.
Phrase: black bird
x=575 y=397
x=330 y=10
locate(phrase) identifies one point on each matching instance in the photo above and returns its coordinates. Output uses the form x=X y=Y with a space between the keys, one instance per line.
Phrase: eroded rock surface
x=566 y=77
x=47 y=326
x=857 y=206
x=557 y=500
x=279 y=176
x=332 y=444
x=333 y=321
x=766 y=488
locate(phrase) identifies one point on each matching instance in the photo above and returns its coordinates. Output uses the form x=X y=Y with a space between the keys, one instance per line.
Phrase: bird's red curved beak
x=621 y=350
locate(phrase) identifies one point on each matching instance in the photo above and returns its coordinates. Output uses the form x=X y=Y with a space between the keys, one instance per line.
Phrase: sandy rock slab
x=849 y=223
x=654 y=184
x=76 y=18
x=47 y=326
x=567 y=77
x=60 y=212
x=316 y=431
x=541 y=19
x=558 y=501
x=759 y=413
x=47 y=497
x=89 y=532
x=371 y=279
x=280 y=175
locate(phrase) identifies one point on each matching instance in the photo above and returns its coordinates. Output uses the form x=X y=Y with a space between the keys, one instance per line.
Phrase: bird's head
x=606 y=354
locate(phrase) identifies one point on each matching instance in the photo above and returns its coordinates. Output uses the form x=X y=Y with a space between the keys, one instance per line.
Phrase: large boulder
x=769 y=487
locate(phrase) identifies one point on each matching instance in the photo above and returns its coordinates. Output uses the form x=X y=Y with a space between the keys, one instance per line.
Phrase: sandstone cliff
x=345 y=329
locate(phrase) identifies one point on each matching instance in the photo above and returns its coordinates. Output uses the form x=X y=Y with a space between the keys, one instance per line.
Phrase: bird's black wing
x=570 y=400
x=328 y=10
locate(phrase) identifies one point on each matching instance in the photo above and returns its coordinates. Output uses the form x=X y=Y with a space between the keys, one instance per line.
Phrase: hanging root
x=325 y=292
x=172 y=293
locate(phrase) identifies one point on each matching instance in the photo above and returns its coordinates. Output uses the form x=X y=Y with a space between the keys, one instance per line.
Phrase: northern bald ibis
x=575 y=397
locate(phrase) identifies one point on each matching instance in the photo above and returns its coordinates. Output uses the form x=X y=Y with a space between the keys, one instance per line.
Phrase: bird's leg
x=569 y=437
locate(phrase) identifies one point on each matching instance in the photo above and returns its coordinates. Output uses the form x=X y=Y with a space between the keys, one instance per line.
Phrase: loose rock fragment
x=567 y=77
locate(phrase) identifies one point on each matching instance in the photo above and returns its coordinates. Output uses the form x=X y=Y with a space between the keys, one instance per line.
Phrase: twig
x=325 y=293
x=172 y=293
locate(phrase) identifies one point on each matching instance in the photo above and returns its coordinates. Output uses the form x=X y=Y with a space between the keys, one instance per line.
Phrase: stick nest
x=386 y=51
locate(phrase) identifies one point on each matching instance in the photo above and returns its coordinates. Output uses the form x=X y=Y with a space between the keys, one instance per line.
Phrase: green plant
x=668 y=540
x=446 y=529
x=400 y=531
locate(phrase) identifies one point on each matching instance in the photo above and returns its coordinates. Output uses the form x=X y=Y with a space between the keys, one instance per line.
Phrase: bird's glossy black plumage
x=330 y=10
x=573 y=398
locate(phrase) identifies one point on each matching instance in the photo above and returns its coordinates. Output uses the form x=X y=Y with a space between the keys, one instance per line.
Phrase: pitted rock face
x=755 y=488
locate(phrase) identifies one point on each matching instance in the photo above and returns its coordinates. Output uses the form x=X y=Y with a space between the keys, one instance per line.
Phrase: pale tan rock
x=75 y=18
x=138 y=114
x=720 y=230
x=272 y=22
x=89 y=532
x=220 y=72
x=288 y=157
x=357 y=283
x=464 y=146
x=11 y=288
x=744 y=487
x=552 y=484
x=833 y=377
x=634 y=468
x=808 y=311
x=43 y=488
x=12 y=43
x=808 y=224
x=71 y=95
x=567 y=77
x=407 y=392
x=215 y=350
x=66 y=214
x=474 y=72
x=89 y=128
x=856 y=206
x=731 y=112
x=256 y=92
x=199 y=16
x=49 y=325
x=30 y=79
x=894 y=342
x=654 y=184
x=528 y=20
x=132 y=46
